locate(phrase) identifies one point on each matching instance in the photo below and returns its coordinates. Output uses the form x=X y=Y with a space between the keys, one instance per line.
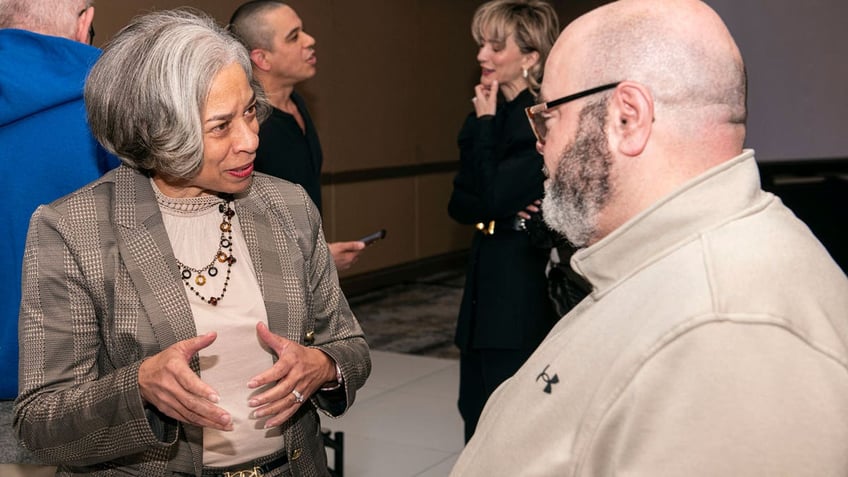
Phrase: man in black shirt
x=283 y=55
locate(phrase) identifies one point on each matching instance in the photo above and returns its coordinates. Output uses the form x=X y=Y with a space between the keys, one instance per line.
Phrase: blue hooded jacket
x=46 y=151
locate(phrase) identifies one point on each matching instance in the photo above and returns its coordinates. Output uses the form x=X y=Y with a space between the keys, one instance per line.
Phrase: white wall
x=796 y=53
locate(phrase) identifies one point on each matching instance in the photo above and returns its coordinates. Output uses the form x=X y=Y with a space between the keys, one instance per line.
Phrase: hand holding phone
x=369 y=239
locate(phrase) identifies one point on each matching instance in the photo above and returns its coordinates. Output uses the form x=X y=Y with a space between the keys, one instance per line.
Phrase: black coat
x=505 y=303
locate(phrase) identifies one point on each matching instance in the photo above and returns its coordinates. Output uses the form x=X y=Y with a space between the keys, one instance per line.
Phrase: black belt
x=489 y=228
x=248 y=469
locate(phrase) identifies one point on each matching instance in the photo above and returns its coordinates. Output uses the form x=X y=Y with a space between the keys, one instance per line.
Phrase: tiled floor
x=405 y=422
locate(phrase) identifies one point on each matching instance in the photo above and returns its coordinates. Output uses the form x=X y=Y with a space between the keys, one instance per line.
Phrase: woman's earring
x=525 y=73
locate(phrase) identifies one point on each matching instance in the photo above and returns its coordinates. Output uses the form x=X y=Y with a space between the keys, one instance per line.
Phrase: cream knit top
x=237 y=354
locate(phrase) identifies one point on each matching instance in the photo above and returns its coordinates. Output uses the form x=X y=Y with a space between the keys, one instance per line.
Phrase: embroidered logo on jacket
x=549 y=380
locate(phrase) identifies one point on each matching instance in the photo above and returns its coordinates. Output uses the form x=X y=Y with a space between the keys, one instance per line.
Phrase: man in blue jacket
x=46 y=149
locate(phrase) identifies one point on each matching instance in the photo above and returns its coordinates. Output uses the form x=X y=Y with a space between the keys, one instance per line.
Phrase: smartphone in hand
x=369 y=239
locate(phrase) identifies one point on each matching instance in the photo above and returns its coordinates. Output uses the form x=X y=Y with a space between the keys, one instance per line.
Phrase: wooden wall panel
x=365 y=207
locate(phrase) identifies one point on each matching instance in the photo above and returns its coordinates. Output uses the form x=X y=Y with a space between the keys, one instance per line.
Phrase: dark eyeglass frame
x=534 y=113
x=90 y=27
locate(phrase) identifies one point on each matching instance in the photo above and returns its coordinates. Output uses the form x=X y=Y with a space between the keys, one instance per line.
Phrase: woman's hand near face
x=167 y=382
x=485 y=99
x=298 y=368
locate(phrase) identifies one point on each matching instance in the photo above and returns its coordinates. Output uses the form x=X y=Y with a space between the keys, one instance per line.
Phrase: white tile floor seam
x=404 y=422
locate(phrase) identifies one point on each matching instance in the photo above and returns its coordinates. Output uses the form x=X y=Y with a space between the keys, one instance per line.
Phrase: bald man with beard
x=715 y=339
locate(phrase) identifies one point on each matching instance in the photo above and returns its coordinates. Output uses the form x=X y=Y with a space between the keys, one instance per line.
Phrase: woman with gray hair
x=181 y=315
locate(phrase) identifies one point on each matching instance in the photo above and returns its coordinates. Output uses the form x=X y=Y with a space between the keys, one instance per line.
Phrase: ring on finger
x=297 y=396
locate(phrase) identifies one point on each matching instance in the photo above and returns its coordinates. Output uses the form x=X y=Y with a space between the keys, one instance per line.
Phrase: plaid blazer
x=102 y=291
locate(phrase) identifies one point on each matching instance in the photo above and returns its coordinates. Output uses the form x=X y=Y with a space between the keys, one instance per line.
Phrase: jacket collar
x=149 y=258
x=707 y=201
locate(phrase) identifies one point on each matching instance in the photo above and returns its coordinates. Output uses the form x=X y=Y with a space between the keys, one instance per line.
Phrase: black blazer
x=505 y=303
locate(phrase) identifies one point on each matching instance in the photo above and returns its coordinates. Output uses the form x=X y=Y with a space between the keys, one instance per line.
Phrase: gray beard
x=580 y=187
x=577 y=224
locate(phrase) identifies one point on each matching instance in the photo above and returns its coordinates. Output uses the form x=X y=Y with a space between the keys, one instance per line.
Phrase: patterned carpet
x=417 y=317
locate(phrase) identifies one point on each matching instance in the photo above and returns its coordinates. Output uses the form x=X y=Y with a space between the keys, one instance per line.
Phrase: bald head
x=249 y=23
x=678 y=110
x=679 y=49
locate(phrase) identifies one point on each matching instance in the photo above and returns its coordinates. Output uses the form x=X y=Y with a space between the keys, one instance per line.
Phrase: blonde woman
x=505 y=310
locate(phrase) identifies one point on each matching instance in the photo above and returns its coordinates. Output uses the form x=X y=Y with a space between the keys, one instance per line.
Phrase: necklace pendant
x=225 y=242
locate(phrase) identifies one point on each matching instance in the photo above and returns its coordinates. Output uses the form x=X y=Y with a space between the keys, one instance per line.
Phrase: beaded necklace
x=222 y=255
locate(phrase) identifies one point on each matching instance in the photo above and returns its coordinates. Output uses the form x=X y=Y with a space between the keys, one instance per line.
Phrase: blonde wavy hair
x=533 y=23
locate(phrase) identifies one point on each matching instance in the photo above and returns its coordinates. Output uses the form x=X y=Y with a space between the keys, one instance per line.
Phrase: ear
x=530 y=59
x=257 y=56
x=632 y=116
x=81 y=34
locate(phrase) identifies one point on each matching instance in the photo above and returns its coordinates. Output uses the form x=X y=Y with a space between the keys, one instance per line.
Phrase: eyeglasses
x=90 y=27
x=537 y=119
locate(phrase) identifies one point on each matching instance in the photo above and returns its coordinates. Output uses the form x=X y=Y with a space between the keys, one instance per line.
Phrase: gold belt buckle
x=490 y=230
x=255 y=472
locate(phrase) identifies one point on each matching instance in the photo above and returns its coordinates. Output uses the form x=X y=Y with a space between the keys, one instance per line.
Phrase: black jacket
x=505 y=303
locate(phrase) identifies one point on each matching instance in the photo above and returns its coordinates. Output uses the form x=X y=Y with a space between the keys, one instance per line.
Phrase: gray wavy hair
x=146 y=93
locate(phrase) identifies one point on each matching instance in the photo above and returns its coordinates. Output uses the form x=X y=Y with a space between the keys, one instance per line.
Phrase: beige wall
x=393 y=87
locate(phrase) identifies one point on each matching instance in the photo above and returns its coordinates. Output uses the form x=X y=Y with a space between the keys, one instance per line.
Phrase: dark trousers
x=480 y=372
